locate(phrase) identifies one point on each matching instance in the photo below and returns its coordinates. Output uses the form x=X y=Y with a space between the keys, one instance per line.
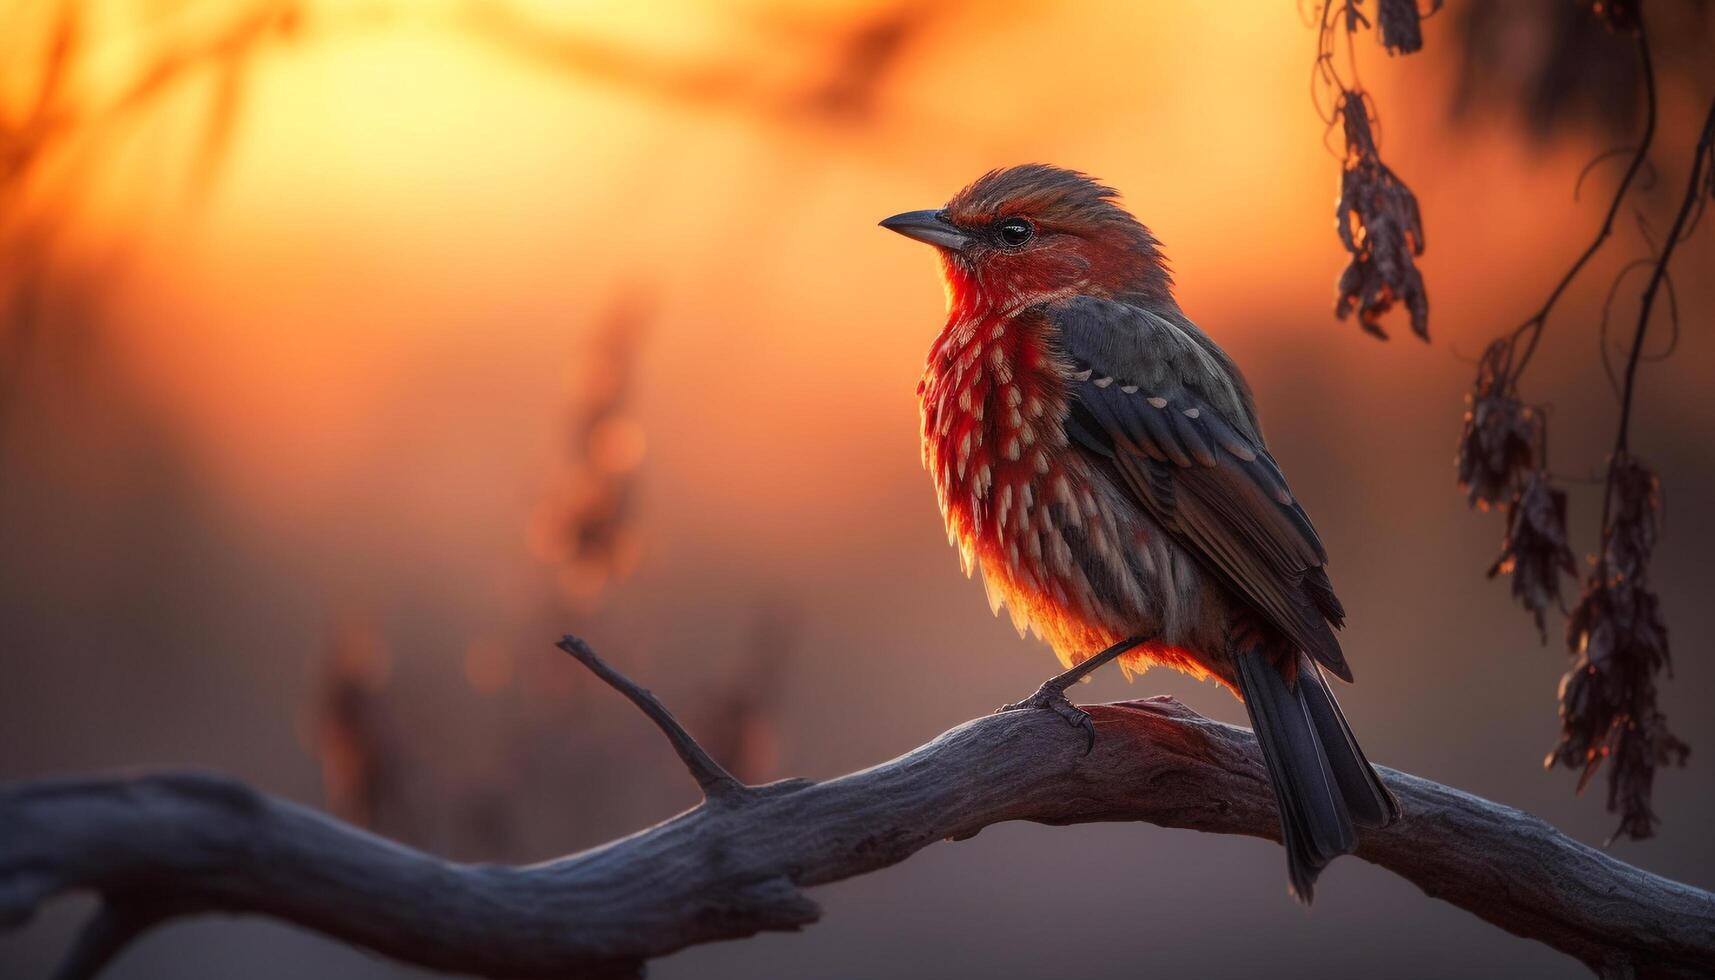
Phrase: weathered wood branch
x=170 y=844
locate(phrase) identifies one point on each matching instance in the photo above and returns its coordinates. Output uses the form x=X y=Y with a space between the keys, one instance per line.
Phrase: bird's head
x=1025 y=234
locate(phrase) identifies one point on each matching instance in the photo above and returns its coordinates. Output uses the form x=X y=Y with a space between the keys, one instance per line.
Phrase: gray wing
x=1155 y=396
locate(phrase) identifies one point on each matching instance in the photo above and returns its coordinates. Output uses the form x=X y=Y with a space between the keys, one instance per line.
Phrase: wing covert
x=1155 y=396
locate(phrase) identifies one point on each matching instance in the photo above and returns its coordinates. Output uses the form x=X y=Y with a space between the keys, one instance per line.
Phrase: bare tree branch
x=172 y=843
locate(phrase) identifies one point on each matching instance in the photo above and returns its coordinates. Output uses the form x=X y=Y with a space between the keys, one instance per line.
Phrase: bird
x=1097 y=457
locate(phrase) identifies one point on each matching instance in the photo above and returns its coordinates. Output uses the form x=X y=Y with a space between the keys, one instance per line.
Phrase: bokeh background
x=354 y=351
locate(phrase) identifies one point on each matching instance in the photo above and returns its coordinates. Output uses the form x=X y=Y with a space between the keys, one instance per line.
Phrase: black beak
x=927 y=226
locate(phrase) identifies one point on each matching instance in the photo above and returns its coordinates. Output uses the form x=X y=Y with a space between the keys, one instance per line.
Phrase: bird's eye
x=1014 y=232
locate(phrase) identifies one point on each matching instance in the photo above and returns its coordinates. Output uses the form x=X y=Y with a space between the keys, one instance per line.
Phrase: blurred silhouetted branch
x=88 y=74
x=847 y=63
x=160 y=846
x=85 y=90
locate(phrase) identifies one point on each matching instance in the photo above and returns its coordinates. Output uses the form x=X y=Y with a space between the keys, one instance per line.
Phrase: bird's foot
x=1052 y=694
x=1052 y=697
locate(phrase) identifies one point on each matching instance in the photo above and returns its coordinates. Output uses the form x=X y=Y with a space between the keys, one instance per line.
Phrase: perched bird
x=1098 y=458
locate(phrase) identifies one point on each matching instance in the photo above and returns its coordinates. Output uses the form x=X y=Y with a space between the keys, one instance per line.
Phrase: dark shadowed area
x=353 y=354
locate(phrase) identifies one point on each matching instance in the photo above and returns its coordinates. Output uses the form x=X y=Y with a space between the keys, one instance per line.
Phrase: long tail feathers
x=1322 y=782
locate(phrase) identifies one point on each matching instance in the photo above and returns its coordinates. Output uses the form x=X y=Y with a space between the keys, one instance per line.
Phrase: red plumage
x=993 y=394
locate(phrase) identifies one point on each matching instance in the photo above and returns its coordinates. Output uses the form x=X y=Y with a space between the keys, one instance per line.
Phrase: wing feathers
x=1173 y=415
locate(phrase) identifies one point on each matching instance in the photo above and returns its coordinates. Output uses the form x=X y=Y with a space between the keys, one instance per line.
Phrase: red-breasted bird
x=1098 y=458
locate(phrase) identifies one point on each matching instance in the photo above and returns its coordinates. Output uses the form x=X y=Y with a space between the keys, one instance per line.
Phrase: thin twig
x=1539 y=320
x=1693 y=193
x=711 y=776
x=1602 y=346
x=1597 y=161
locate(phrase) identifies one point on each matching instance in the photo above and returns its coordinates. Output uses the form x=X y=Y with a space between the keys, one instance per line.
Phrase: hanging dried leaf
x=1400 y=24
x=1498 y=441
x=1635 y=493
x=1535 y=552
x=1379 y=223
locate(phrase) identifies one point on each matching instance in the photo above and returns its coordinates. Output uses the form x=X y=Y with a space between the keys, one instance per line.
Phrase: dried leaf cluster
x=1502 y=449
x=1615 y=635
x=1498 y=442
x=1535 y=552
x=1377 y=216
x=1619 y=645
x=1380 y=225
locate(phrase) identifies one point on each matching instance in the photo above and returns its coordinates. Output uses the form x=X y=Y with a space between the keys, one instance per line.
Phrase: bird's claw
x=1051 y=698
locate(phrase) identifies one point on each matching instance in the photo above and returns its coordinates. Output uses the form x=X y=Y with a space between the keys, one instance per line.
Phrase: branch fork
x=718 y=785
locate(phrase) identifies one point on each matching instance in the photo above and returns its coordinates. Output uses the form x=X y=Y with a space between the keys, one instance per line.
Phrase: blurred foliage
x=1553 y=66
x=361 y=756
x=587 y=525
x=87 y=76
x=79 y=82
x=737 y=719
